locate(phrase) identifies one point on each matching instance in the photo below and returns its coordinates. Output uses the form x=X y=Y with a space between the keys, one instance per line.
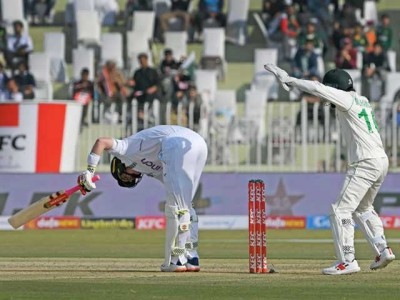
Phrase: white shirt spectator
x=17 y=42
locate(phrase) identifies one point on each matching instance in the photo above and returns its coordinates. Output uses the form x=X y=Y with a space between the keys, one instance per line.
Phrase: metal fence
x=297 y=136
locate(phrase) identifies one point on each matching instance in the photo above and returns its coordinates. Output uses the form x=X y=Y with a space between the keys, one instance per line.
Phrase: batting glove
x=281 y=75
x=85 y=181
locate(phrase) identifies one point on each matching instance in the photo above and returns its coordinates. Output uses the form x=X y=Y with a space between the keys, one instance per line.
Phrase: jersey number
x=364 y=114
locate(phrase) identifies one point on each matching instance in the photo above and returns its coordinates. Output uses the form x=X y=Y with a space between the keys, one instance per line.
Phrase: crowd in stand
x=16 y=82
x=308 y=29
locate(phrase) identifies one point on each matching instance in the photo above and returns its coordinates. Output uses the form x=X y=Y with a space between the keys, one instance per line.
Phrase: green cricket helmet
x=338 y=79
x=118 y=171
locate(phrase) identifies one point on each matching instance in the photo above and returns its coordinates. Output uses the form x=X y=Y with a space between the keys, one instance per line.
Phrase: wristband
x=93 y=161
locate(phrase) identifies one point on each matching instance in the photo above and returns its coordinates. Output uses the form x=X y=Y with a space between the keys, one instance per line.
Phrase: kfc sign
x=391 y=222
x=150 y=222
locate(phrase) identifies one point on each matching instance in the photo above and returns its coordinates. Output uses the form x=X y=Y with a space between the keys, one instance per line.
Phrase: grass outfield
x=124 y=264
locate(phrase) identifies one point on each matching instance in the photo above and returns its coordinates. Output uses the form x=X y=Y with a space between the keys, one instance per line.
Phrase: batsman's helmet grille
x=118 y=168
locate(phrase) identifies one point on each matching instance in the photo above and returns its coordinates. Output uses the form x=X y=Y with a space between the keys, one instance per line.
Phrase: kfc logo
x=150 y=223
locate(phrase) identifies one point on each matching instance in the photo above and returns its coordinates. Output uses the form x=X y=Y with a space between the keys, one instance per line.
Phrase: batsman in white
x=174 y=155
x=368 y=165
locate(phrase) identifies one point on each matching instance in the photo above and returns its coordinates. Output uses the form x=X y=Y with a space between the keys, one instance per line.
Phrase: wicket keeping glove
x=85 y=181
x=281 y=75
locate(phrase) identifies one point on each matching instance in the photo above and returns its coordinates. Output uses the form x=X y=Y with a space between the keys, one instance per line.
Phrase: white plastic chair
x=81 y=5
x=206 y=83
x=214 y=42
x=356 y=76
x=143 y=22
x=54 y=44
x=391 y=56
x=177 y=42
x=54 y=47
x=136 y=43
x=12 y=10
x=111 y=48
x=88 y=27
x=262 y=79
x=370 y=11
x=39 y=64
x=237 y=21
x=83 y=58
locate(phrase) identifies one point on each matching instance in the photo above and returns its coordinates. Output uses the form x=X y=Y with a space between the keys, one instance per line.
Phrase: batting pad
x=372 y=228
x=343 y=236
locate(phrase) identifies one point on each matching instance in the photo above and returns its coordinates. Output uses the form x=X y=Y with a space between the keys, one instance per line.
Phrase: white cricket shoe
x=340 y=268
x=382 y=260
x=173 y=268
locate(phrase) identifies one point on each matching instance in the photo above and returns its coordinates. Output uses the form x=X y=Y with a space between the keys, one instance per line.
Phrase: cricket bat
x=43 y=205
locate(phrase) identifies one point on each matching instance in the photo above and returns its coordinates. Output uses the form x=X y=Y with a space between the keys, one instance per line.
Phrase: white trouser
x=184 y=154
x=362 y=183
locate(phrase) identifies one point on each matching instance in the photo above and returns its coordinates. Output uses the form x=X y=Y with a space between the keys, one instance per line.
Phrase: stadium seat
x=392 y=87
x=254 y=115
x=12 y=10
x=39 y=64
x=356 y=75
x=206 y=83
x=54 y=47
x=236 y=29
x=391 y=55
x=88 y=28
x=143 y=22
x=136 y=43
x=177 y=42
x=83 y=58
x=370 y=11
x=111 y=48
x=161 y=6
x=263 y=80
x=80 y=5
x=214 y=51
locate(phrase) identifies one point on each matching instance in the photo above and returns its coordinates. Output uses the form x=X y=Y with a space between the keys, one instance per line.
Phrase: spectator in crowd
x=285 y=28
x=305 y=62
x=31 y=10
x=3 y=43
x=270 y=8
x=3 y=83
x=145 y=83
x=346 y=58
x=168 y=68
x=376 y=66
x=194 y=97
x=25 y=81
x=179 y=9
x=19 y=46
x=384 y=33
x=111 y=85
x=133 y=5
x=337 y=35
x=347 y=16
x=209 y=11
x=83 y=92
x=311 y=34
x=359 y=40
x=12 y=93
x=370 y=35
x=320 y=9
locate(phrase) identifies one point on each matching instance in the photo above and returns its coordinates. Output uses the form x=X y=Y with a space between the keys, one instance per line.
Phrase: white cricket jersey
x=356 y=118
x=141 y=150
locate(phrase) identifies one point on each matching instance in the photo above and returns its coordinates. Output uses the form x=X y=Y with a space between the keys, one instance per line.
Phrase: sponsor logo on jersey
x=151 y=164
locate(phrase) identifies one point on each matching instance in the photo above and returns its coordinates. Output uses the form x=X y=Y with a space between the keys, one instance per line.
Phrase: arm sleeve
x=340 y=98
x=119 y=147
